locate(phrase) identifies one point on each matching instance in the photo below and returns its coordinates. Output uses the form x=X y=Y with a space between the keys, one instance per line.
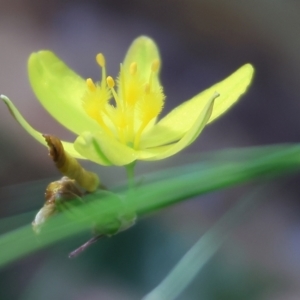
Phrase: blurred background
x=201 y=42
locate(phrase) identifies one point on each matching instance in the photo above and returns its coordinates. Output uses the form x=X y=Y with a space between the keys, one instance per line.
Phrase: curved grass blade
x=194 y=260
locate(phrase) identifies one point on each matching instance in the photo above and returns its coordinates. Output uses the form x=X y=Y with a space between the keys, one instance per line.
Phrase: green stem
x=130 y=174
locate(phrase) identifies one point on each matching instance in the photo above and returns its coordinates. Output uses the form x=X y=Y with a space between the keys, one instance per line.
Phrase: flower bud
x=56 y=194
x=69 y=166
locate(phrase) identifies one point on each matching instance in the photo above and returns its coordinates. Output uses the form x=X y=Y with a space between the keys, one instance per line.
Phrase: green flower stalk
x=116 y=120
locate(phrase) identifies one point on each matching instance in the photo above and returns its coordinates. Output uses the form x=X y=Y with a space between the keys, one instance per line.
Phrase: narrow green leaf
x=164 y=189
x=206 y=247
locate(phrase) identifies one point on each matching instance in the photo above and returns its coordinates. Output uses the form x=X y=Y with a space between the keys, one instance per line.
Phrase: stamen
x=122 y=82
x=149 y=107
x=154 y=69
x=90 y=84
x=155 y=65
x=110 y=82
x=100 y=60
x=133 y=68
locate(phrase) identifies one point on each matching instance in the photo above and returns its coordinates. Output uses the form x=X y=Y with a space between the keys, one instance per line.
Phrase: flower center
x=126 y=112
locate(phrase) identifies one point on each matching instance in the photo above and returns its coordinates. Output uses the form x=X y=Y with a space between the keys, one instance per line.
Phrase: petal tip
x=4 y=98
x=146 y=43
x=143 y=39
x=42 y=54
x=8 y=103
x=250 y=68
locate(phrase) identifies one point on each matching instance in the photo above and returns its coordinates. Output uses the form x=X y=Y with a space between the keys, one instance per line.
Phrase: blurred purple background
x=201 y=42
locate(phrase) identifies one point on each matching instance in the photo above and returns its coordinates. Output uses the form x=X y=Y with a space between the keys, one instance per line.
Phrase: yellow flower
x=117 y=126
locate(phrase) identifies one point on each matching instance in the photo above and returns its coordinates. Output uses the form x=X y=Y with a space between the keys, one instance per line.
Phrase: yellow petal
x=37 y=135
x=190 y=136
x=59 y=90
x=173 y=126
x=143 y=51
x=103 y=149
x=230 y=90
x=148 y=154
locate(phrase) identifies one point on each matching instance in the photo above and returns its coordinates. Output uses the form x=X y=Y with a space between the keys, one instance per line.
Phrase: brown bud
x=64 y=189
x=48 y=210
x=69 y=166
x=57 y=192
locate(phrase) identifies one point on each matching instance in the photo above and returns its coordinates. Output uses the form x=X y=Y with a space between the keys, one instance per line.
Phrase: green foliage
x=104 y=209
x=178 y=184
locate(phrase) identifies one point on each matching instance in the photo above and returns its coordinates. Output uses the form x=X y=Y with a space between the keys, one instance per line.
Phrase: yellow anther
x=147 y=88
x=133 y=68
x=110 y=82
x=100 y=60
x=90 y=84
x=155 y=65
